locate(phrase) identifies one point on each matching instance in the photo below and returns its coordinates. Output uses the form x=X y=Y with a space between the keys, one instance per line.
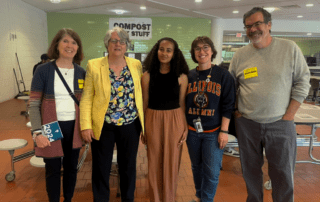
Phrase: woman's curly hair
x=178 y=63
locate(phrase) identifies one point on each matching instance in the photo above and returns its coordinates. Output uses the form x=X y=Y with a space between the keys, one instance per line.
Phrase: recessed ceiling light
x=119 y=11
x=309 y=5
x=143 y=7
x=198 y=1
x=300 y=16
x=55 y=1
x=236 y=0
x=270 y=9
x=235 y=12
x=309 y=34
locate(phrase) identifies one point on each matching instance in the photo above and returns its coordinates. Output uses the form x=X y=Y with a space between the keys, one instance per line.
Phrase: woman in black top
x=164 y=86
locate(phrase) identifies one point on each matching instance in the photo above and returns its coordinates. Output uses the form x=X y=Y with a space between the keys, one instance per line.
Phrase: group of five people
x=166 y=104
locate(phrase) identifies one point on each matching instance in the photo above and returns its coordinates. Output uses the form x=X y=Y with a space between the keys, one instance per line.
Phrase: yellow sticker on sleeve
x=80 y=82
x=250 y=72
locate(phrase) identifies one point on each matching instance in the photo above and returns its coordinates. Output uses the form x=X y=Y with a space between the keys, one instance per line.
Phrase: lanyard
x=201 y=97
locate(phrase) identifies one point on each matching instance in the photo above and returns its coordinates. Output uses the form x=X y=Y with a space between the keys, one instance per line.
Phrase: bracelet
x=224 y=131
x=35 y=134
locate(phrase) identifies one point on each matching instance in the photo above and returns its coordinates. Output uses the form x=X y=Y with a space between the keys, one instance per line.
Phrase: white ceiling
x=288 y=9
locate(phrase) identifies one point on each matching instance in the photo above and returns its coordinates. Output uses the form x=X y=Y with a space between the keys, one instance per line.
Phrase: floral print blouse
x=122 y=109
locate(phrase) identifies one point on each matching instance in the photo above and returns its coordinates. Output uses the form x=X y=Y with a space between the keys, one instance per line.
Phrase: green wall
x=92 y=29
x=309 y=47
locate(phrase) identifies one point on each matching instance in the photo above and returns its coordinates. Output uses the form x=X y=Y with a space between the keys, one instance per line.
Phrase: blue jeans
x=206 y=160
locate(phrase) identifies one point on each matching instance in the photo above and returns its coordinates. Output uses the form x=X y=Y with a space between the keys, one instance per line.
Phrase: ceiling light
x=119 y=11
x=236 y=0
x=309 y=34
x=309 y=5
x=270 y=9
x=55 y=1
x=143 y=7
x=300 y=16
x=198 y=1
x=235 y=12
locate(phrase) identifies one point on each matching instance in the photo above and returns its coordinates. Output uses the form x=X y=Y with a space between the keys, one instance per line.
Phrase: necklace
x=66 y=73
x=208 y=76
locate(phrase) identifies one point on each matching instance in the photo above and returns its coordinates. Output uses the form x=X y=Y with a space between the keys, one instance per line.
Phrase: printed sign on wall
x=137 y=28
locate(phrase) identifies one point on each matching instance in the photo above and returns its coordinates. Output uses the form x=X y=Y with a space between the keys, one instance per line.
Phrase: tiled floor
x=29 y=184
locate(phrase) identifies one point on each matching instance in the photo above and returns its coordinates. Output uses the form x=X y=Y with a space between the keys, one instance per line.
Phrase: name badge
x=250 y=72
x=80 y=82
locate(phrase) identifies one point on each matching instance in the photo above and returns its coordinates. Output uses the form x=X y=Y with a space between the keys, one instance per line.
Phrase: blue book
x=52 y=131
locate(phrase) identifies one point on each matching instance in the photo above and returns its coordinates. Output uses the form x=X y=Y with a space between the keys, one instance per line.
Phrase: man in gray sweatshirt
x=272 y=79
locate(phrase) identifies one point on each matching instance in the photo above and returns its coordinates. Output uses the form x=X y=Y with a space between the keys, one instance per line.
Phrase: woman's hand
x=222 y=139
x=183 y=137
x=143 y=138
x=237 y=114
x=87 y=135
x=42 y=141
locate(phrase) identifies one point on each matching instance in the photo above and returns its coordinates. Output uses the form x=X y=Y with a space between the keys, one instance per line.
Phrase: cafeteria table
x=309 y=115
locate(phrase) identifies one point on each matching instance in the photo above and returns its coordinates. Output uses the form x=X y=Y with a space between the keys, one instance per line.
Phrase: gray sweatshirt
x=268 y=78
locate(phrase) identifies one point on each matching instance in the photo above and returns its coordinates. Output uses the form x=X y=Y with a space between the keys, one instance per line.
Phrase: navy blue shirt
x=218 y=100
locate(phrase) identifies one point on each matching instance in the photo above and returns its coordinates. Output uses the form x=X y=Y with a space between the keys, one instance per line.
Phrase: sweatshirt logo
x=201 y=100
x=212 y=87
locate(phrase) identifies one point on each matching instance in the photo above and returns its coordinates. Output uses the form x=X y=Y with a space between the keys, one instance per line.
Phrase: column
x=217 y=38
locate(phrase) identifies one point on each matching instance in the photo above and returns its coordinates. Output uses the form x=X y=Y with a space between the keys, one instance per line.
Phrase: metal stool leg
x=11 y=175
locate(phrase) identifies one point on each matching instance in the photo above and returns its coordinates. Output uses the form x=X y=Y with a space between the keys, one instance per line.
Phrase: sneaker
x=229 y=151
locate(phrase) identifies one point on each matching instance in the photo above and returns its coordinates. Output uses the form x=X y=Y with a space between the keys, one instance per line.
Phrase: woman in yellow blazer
x=111 y=111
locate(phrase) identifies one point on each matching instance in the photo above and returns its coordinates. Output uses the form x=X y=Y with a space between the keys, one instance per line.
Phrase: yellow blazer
x=97 y=91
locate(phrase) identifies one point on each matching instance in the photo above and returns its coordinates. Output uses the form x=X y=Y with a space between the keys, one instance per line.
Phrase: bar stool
x=11 y=145
x=25 y=98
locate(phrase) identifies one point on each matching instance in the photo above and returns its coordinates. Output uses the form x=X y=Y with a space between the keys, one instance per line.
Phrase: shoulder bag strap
x=65 y=84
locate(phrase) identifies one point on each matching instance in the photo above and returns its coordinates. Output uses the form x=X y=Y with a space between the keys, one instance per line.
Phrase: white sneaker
x=229 y=151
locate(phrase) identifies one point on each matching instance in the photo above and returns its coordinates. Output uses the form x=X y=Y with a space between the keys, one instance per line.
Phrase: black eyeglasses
x=256 y=24
x=121 y=41
x=204 y=48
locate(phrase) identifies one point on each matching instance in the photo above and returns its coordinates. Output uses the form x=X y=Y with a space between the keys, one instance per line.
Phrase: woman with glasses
x=209 y=104
x=111 y=111
x=164 y=86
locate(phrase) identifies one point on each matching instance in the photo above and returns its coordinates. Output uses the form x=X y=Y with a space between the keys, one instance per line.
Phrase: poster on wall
x=137 y=28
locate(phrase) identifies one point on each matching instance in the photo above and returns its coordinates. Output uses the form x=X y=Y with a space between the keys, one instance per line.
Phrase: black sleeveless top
x=164 y=91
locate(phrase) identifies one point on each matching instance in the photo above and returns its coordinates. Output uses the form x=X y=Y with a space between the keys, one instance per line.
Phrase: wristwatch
x=36 y=134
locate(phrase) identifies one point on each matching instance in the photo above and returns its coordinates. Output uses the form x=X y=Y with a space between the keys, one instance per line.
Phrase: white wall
x=277 y=25
x=23 y=31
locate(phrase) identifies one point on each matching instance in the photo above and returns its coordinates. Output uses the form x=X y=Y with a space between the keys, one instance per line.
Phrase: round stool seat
x=232 y=138
x=29 y=124
x=13 y=144
x=24 y=97
x=37 y=162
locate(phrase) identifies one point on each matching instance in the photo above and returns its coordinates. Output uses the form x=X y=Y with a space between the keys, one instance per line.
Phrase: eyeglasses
x=204 y=48
x=121 y=41
x=256 y=24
